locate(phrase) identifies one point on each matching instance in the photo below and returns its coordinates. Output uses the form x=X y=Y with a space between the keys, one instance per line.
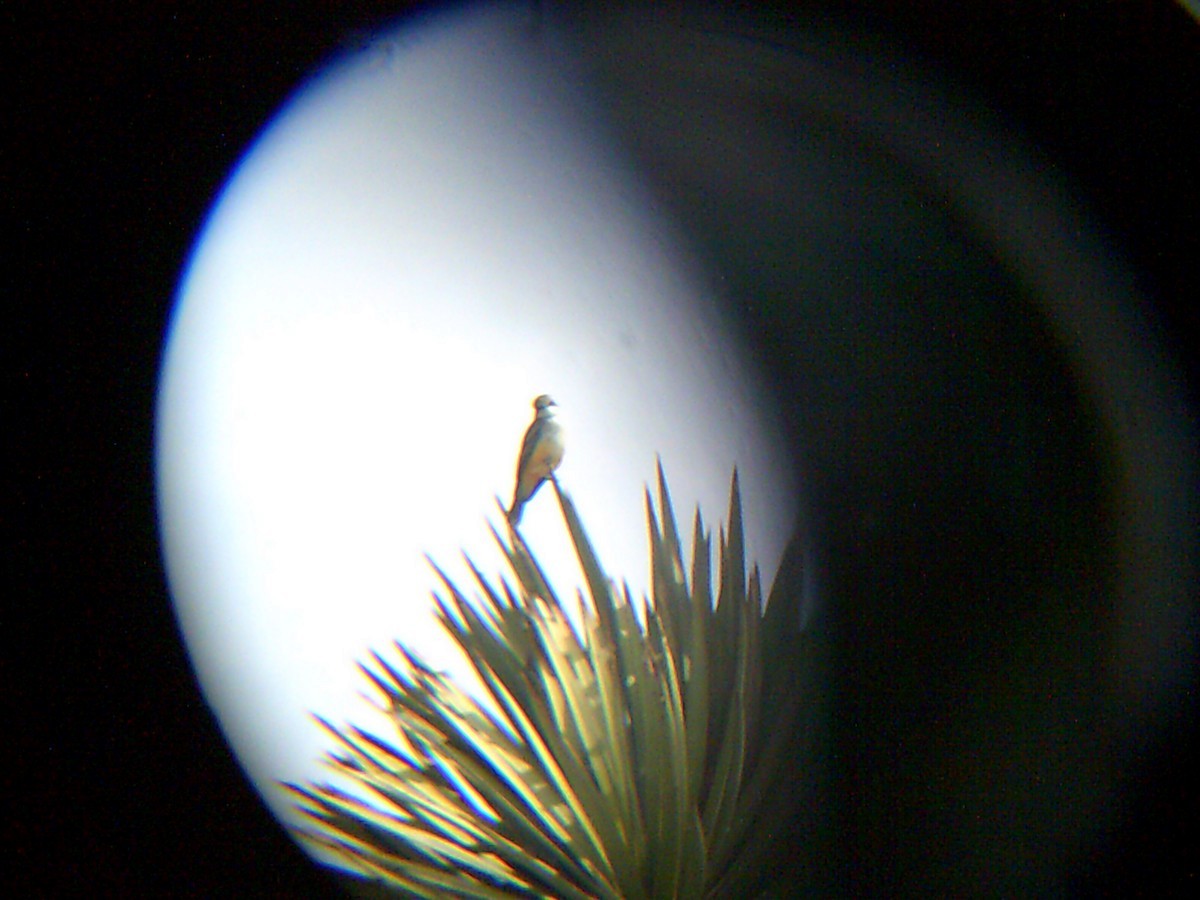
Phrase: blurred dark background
x=123 y=126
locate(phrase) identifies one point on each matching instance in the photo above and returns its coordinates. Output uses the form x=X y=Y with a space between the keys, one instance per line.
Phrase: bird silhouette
x=541 y=452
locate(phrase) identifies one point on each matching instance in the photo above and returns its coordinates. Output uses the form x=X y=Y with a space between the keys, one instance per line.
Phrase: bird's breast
x=549 y=451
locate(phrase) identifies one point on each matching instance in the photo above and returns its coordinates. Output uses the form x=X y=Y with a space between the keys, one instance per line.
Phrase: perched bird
x=541 y=452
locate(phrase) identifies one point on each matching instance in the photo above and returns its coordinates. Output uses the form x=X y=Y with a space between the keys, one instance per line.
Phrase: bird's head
x=543 y=401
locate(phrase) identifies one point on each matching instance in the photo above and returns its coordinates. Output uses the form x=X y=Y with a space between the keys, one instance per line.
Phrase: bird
x=541 y=452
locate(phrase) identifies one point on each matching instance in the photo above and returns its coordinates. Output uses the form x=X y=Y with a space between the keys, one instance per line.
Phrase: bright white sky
x=429 y=236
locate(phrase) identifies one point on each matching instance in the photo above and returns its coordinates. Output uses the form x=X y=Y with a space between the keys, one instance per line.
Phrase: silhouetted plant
x=650 y=755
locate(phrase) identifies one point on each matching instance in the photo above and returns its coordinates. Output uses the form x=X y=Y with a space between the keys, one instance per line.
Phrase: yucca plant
x=647 y=755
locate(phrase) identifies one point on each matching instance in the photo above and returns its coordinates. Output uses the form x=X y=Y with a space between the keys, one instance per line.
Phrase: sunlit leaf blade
x=632 y=753
x=696 y=660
